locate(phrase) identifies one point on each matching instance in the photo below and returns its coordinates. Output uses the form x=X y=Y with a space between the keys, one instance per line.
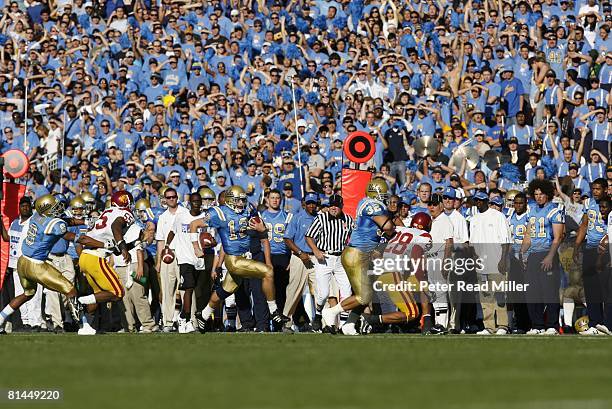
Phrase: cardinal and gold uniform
x=414 y=243
x=92 y=262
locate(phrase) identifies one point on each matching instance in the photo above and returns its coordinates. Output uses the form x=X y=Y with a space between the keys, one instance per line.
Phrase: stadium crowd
x=162 y=99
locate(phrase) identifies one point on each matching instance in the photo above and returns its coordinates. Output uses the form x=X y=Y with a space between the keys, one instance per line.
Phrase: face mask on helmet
x=207 y=203
x=144 y=215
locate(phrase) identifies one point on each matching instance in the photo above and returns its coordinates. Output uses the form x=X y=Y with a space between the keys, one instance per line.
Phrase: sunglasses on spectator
x=171 y=197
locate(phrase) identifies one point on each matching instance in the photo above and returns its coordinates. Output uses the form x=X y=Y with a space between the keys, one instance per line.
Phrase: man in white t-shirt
x=491 y=239
x=190 y=266
x=441 y=250
x=168 y=273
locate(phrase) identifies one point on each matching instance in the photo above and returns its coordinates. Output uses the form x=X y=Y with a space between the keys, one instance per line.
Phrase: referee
x=327 y=237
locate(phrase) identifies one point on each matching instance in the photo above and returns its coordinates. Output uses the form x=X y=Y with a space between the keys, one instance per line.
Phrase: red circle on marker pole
x=359 y=147
x=16 y=163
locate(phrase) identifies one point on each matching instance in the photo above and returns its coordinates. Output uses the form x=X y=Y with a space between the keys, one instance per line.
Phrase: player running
x=372 y=223
x=108 y=229
x=413 y=241
x=232 y=221
x=44 y=230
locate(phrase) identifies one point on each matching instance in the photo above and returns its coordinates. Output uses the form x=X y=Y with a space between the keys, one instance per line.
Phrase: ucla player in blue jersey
x=44 y=230
x=276 y=221
x=545 y=229
x=518 y=226
x=592 y=228
x=371 y=225
x=232 y=222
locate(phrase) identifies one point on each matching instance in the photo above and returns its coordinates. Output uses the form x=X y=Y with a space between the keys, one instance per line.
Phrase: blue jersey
x=78 y=230
x=42 y=235
x=297 y=228
x=518 y=227
x=276 y=222
x=232 y=228
x=596 y=227
x=366 y=233
x=542 y=220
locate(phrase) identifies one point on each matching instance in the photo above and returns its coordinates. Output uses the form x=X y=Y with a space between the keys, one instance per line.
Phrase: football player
x=518 y=226
x=545 y=226
x=44 y=230
x=593 y=229
x=414 y=241
x=371 y=225
x=108 y=229
x=232 y=223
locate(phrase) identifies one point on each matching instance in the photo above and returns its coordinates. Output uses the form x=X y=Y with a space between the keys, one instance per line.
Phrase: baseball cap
x=497 y=201
x=311 y=197
x=287 y=186
x=513 y=139
x=192 y=95
x=436 y=170
x=481 y=196
x=139 y=121
x=336 y=200
x=175 y=173
x=573 y=165
x=130 y=174
x=146 y=180
x=251 y=163
x=609 y=168
x=302 y=122
x=508 y=13
x=149 y=161
x=450 y=193
x=235 y=13
x=220 y=175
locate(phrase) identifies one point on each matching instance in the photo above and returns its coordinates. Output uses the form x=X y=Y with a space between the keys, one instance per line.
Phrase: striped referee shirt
x=329 y=233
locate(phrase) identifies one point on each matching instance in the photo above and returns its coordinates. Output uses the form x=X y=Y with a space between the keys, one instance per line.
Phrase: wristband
x=109 y=244
x=194 y=237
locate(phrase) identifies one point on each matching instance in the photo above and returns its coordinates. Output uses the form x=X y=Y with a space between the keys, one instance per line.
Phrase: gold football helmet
x=377 y=189
x=208 y=197
x=143 y=210
x=236 y=198
x=48 y=205
x=509 y=198
x=162 y=199
x=582 y=324
x=90 y=202
x=77 y=206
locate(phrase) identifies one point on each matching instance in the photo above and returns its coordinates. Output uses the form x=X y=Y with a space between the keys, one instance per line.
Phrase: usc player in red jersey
x=109 y=229
x=414 y=242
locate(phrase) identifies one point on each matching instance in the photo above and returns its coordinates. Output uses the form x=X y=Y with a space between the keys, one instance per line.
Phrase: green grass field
x=310 y=371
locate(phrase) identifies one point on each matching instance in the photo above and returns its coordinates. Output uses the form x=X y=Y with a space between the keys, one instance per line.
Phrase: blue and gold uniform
x=542 y=220
x=365 y=238
x=42 y=235
x=596 y=227
x=518 y=227
x=277 y=222
x=232 y=227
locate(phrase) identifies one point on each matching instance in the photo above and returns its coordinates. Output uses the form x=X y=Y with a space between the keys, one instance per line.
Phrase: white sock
x=88 y=299
x=272 y=306
x=207 y=312
x=5 y=313
x=568 y=311
x=337 y=309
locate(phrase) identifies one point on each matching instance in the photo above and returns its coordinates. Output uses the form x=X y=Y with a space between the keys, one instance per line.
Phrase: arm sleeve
x=315 y=228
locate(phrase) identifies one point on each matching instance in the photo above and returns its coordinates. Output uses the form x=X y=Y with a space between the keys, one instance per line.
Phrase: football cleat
x=364 y=325
x=590 y=331
x=535 y=331
x=349 y=329
x=189 y=327
x=603 y=329
x=438 y=329
x=86 y=330
x=278 y=321
x=549 y=331
x=316 y=323
x=484 y=332
x=501 y=331
x=167 y=329
x=201 y=322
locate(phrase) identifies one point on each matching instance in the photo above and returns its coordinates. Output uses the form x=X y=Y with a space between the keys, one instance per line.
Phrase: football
x=254 y=220
x=167 y=255
x=207 y=240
